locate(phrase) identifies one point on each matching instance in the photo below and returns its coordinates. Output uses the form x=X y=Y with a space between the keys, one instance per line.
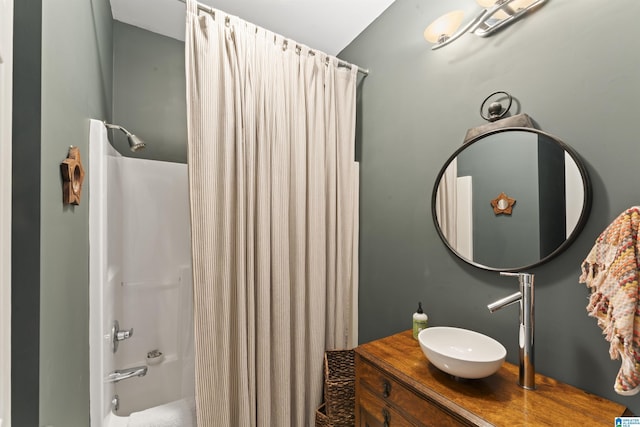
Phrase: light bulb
x=501 y=14
x=514 y=5
x=440 y=29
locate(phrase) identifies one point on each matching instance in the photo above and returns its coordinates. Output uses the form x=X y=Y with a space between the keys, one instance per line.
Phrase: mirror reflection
x=542 y=173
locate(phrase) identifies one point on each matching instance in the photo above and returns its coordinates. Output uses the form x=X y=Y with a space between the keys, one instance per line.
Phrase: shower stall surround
x=140 y=276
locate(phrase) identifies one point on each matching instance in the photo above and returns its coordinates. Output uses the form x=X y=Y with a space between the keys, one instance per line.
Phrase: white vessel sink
x=460 y=352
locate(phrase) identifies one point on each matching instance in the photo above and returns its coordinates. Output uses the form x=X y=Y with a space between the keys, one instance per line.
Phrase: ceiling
x=328 y=26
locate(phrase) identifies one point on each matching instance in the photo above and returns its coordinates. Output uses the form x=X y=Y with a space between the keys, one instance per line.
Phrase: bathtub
x=179 y=413
x=140 y=276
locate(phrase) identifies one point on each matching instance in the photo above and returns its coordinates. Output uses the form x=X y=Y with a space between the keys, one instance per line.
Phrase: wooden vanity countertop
x=496 y=400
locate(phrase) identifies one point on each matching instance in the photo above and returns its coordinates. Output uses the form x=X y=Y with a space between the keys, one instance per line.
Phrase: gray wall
x=504 y=163
x=76 y=87
x=25 y=213
x=416 y=105
x=62 y=78
x=149 y=93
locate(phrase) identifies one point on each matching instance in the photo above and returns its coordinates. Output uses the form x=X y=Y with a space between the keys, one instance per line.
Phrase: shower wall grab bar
x=152 y=285
x=123 y=374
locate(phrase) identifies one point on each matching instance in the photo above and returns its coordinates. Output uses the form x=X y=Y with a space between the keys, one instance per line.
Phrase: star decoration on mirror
x=503 y=204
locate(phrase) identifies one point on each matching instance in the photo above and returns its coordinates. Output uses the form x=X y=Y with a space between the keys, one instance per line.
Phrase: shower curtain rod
x=208 y=9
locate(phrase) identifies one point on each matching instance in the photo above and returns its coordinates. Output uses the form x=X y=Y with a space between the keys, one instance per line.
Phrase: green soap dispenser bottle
x=419 y=321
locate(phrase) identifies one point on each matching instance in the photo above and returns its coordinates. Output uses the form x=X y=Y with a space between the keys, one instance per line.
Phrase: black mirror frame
x=587 y=199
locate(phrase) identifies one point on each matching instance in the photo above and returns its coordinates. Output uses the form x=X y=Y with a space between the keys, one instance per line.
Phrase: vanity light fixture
x=494 y=15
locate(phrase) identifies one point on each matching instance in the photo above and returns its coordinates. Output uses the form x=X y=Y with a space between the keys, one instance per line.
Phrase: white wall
x=6 y=64
x=153 y=295
x=574 y=193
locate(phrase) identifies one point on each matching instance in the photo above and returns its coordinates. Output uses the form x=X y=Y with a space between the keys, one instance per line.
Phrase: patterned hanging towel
x=611 y=272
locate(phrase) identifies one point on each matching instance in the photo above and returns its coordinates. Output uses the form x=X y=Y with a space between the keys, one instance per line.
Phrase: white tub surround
x=140 y=273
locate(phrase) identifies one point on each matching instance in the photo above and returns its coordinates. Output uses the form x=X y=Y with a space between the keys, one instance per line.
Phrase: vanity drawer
x=389 y=391
x=374 y=412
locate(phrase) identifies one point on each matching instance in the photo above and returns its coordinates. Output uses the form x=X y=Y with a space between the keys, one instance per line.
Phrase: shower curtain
x=274 y=212
x=447 y=202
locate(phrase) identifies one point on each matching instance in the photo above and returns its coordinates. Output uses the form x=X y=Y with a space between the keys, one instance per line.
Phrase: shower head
x=135 y=143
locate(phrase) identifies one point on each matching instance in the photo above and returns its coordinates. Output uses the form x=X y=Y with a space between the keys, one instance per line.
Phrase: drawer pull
x=386 y=388
x=387 y=417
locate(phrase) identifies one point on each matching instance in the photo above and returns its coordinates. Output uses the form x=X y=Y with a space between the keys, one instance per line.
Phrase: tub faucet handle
x=124 y=334
x=118 y=335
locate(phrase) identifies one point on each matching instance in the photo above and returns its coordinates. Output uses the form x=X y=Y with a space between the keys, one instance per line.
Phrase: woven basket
x=322 y=420
x=339 y=387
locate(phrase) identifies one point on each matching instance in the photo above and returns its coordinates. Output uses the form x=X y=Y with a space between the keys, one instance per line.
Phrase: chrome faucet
x=123 y=374
x=527 y=377
x=118 y=335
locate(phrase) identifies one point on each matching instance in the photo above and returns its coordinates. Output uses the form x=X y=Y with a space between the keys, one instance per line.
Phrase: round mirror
x=511 y=199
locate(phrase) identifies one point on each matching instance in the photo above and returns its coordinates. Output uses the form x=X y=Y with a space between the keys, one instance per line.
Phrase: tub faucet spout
x=525 y=337
x=123 y=374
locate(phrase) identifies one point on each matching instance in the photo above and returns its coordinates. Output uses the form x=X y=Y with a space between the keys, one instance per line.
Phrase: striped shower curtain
x=274 y=213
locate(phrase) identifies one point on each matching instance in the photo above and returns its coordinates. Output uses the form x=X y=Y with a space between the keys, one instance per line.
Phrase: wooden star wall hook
x=503 y=204
x=72 y=177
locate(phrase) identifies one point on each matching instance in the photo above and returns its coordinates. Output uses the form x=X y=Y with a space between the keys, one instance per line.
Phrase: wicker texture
x=339 y=388
x=322 y=420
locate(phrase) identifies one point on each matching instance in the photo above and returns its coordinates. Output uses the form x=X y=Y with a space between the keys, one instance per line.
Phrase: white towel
x=180 y=413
